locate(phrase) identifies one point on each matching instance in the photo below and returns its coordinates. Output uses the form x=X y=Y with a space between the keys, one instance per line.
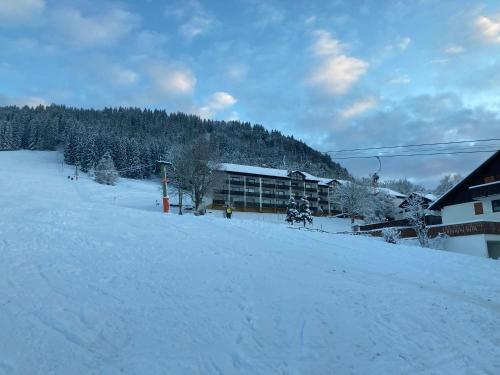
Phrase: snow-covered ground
x=95 y=280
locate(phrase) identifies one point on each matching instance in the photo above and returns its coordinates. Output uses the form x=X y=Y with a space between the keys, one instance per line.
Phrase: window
x=281 y=193
x=489 y=179
x=251 y=180
x=478 y=208
x=495 y=205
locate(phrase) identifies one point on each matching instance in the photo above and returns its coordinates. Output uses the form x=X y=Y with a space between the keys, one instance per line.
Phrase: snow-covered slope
x=94 y=280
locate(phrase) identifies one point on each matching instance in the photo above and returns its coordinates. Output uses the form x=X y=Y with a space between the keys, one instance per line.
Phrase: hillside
x=95 y=280
x=138 y=137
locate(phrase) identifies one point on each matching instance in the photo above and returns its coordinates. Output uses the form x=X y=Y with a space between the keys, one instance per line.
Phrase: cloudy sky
x=337 y=74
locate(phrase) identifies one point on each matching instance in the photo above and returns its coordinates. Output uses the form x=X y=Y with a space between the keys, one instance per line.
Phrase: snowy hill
x=94 y=280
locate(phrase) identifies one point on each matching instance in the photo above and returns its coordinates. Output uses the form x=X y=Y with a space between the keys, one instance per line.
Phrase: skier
x=229 y=212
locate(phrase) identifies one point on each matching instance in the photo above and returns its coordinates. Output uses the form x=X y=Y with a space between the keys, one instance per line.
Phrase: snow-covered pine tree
x=105 y=172
x=291 y=212
x=6 y=136
x=305 y=215
x=71 y=148
x=88 y=154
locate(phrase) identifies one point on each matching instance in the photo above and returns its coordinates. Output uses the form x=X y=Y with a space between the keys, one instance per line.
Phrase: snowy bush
x=391 y=235
x=438 y=242
x=415 y=213
x=105 y=172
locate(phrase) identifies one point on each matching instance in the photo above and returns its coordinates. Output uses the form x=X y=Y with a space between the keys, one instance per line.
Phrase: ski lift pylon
x=375 y=176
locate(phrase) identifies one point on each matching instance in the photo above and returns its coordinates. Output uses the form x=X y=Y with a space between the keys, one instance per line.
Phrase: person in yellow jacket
x=229 y=212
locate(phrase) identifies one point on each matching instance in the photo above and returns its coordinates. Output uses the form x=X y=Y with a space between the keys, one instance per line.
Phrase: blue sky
x=337 y=74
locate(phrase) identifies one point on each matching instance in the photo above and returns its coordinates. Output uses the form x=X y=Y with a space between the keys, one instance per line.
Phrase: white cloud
x=404 y=43
x=30 y=101
x=310 y=20
x=325 y=45
x=93 y=30
x=194 y=17
x=337 y=74
x=489 y=28
x=359 y=107
x=220 y=100
x=122 y=76
x=16 y=10
x=233 y=116
x=196 y=26
x=400 y=79
x=216 y=102
x=237 y=71
x=171 y=79
x=454 y=50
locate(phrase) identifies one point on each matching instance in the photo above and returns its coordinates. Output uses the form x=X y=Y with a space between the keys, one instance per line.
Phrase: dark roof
x=460 y=192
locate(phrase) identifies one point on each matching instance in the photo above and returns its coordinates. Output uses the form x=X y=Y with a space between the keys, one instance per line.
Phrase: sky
x=336 y=74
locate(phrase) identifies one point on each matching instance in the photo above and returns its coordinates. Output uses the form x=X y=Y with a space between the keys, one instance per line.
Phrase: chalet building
x=250 y=188
x=471 y=211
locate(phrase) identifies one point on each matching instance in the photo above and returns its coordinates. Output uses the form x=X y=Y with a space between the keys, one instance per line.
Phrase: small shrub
x=391 y=235
x=438 y=242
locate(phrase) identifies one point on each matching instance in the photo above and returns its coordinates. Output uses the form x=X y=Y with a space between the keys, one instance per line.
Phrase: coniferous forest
x=136 y=138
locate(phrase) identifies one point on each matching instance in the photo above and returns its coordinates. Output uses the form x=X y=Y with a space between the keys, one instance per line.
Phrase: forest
x=137 y=138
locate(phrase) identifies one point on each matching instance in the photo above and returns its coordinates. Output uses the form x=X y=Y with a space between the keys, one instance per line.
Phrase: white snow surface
x=95 y=280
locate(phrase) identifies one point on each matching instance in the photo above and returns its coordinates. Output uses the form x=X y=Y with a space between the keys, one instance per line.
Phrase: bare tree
x=351 y=198
x=446 y=183
x=193 y=169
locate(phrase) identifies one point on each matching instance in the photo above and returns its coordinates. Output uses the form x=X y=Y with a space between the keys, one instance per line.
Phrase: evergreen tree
x=291 y=212
x=6 y=136
x=105 y=171
x=304 y=215
x=87 y=154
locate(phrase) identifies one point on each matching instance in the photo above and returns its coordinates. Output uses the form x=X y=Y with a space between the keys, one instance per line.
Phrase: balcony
x=485 y=190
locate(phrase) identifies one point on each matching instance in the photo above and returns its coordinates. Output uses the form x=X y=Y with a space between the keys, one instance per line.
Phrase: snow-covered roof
x=428 y=196
x=325 y=181
x=250 y=169
x=274 y=172
x=392 y=193
x=309 y=176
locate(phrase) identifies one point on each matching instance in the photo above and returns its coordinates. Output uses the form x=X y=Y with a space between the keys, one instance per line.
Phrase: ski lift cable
x=422 y=150
x=415 y=145
x=415 y=154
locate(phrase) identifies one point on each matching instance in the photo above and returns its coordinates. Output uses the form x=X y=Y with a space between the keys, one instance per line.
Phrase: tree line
x=137 y=138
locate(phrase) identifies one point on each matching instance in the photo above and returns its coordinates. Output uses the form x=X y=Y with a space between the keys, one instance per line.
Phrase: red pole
x=166 y=202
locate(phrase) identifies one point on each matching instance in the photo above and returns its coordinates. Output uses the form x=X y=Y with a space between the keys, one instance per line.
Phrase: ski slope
x=95 y=280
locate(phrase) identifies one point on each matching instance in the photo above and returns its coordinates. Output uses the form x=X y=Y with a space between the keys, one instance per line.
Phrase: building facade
x=250 y=188
x=471 y=211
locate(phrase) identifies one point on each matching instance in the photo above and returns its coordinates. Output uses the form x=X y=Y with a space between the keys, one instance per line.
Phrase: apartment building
x=250 y=188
